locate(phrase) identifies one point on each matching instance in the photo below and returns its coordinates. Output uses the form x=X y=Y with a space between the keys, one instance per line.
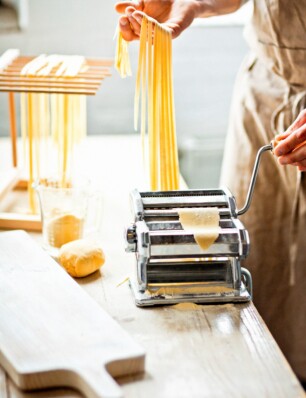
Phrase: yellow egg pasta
x=155 y=100
x=122 y=59
x=61 y=117
x=203 y=223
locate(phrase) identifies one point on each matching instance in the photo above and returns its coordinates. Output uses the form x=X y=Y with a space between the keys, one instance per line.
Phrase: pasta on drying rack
x=53 y=90
x=61 y=117
x=155 y=99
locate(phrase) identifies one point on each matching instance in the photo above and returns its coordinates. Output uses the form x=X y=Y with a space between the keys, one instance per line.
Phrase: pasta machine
x=170 y=266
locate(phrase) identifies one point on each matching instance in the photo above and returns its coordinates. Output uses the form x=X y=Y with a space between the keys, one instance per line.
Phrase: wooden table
x=192 y=350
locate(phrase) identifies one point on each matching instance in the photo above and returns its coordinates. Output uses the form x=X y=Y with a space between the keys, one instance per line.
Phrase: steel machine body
x=170 y=266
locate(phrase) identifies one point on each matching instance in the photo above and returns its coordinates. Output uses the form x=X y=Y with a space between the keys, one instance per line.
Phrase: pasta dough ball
x=81 y=257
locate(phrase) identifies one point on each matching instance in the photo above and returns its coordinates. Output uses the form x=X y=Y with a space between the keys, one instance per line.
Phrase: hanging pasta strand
x=167 y=111
x=154 y=94
x=83 y=118
x=23 y=123
x=122 y=59
x=143 y=86
x=59 y=116
x=31 y=152
x=153 y=160
x=157 y=122
x=173 y=138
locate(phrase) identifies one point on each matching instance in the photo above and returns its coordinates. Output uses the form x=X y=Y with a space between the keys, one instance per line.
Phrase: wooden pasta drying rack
x=86 y=82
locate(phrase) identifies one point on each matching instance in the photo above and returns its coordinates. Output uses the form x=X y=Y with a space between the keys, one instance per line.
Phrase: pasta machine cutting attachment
x=170 y=266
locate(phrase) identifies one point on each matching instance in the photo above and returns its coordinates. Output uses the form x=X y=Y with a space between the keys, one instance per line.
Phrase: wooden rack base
x=27 y=222
x=10 y=180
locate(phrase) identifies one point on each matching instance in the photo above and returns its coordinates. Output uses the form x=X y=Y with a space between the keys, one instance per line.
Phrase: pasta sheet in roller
x=203 y=223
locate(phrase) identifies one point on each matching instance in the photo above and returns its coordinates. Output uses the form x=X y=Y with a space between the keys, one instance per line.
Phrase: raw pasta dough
x=81 y=257
x=203 y=223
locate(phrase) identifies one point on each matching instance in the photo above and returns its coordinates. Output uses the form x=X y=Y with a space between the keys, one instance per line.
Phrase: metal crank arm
x=253 y=178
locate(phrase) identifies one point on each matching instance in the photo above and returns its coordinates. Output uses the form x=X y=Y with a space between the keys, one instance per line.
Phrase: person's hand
x=290 y=147
x=176 y=15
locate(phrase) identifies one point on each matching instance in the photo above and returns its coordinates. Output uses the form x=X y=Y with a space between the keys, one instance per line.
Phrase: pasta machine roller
x=170 y=266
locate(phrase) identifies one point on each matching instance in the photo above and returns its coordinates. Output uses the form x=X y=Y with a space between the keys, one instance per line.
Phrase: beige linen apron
x=269 y=93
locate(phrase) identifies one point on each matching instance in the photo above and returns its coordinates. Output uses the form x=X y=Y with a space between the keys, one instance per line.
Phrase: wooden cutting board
x=51 y=332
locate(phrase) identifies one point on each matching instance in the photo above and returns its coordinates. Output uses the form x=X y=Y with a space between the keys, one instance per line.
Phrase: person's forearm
x=209 y=8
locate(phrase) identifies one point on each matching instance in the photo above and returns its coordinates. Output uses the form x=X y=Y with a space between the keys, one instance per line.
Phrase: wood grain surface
x=192 y=351
x=52 y=333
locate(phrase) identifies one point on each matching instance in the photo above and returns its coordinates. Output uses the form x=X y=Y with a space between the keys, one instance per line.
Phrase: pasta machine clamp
x=170 y=266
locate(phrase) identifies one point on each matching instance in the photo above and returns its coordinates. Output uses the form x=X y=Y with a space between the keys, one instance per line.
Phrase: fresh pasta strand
x=155 y=100
x=31 y=149
x=122 y=59
x=61 y=117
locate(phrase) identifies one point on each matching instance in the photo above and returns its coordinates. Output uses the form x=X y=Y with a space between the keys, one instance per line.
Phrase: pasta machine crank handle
x=253 y=178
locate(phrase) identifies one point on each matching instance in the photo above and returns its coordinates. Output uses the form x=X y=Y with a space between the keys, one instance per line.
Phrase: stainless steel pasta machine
x=170 y=266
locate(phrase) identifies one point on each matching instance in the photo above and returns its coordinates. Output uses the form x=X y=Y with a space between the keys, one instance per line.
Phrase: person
x=268 y=104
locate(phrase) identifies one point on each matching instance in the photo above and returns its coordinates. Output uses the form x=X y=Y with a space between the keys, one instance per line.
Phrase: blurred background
x=206 y=59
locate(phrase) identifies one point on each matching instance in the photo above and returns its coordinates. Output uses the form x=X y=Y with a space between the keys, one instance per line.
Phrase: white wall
x=206 y=60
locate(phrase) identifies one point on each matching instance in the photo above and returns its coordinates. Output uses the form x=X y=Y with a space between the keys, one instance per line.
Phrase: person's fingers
x=292 y=142
x=121 y=6
x=127 y=32
x=138 y=15
x=278 y=138
x=297 y=156
x=299 y=122
x=173 y=27
x=135 y=25
x=300 y=165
